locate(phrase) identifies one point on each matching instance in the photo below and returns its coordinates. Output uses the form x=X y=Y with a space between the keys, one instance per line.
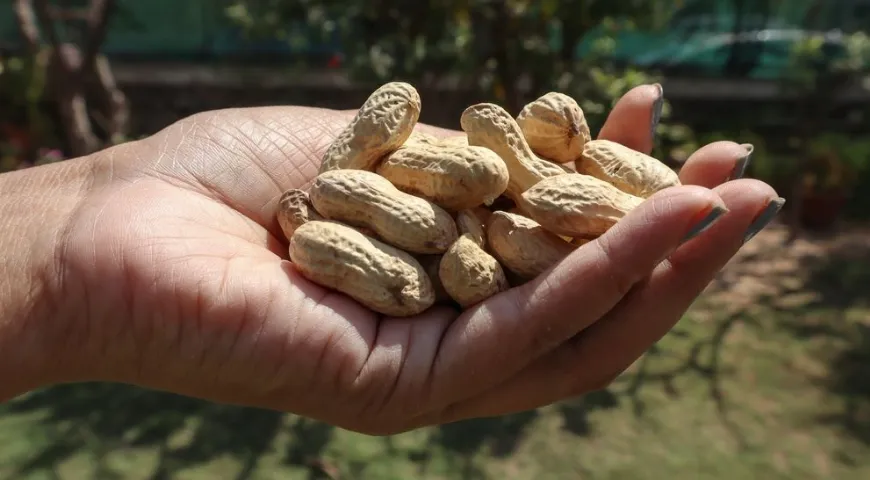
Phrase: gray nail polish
x=705 y=223
x=740 y=167
x=764 y=218
x=657 y=113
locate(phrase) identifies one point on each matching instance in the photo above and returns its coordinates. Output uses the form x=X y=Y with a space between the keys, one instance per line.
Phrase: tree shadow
x=812 y=286
x=97 y=418
x=838 y=284
x=498 y=436
x=575 y=413
x=774 y=277
x=849 y=378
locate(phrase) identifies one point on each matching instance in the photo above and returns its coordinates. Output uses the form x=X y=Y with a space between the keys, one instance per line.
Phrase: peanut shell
x=454 y=178
x=491 y=126
x=294 y=209
x=628 y=170
x=555 y=127
x=523 y=246
x=379 y=276
x=366 y=199
x=577 y=205
x=382 y=124
x=469 y=274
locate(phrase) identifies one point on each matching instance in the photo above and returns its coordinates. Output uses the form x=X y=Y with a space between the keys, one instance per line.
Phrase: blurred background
x=768 y=375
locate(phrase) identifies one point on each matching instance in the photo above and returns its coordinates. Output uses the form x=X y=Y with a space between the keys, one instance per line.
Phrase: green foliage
x=511 y=51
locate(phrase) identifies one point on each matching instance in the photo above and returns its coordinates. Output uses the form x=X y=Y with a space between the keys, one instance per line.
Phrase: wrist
x=36 y=206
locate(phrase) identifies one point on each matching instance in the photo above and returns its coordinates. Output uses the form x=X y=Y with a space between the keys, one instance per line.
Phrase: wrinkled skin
x=173 y=274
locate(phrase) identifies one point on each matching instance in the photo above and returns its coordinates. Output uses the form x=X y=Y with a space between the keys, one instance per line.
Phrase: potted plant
x=833 y=165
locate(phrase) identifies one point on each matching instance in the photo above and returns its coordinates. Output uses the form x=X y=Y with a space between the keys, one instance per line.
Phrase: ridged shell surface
x=523 y=246
x=295 y=209
x=555 y=127
x=379 y=276
x=452 y=177
x=491 y=126
x=628 y=170
x=577 y=205
x=366 y=199
x=470 y=274
x=382 y=124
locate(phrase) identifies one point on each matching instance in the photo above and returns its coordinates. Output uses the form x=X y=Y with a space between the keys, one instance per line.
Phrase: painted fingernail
x=764 y=218
x=742 y=163
x=706 y=222
x=657 y=112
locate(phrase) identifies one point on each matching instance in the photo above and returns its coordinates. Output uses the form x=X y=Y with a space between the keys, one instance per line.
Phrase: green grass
x=778 y=388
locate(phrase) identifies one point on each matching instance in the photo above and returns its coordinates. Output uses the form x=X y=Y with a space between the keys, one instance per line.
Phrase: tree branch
x=27 y=23
x=98 y=22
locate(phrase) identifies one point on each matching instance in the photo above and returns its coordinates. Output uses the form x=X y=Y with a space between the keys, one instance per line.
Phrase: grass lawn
x=767 y=377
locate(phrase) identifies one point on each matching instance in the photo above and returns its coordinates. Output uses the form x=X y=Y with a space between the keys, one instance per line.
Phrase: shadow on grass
x=575 y=413
x=98 y=418
x=775 y=278
x=840 y=284
x=493 y=436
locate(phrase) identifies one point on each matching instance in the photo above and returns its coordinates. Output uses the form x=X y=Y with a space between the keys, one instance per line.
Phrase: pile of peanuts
x=400 y=220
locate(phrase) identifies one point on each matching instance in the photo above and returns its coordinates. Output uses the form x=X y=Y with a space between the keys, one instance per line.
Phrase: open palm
x=182 y=274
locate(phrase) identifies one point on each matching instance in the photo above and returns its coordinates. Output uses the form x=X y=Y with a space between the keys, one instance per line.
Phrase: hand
x=172 y=274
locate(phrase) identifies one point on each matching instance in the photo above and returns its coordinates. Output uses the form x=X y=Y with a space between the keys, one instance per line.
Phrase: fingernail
x=706 y=222
x=742 y=163
x=764 y=218
x=657 y=112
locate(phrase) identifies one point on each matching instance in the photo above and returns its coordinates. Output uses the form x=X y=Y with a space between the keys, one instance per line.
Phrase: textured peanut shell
x=418 y=138
x=432 y=264
x=455 y=141
x=382 y=124
x=469 y=274
x=379 y=276
x=454 y=178
x=295 y=209
x=366 y=199
x=628 y=170
x=577 y=205
x=523 y=246
x=489 y=125
x=555 y=127
x=472 y=222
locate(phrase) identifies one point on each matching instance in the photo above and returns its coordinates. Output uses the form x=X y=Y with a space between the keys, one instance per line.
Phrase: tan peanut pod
x=483 y=214
x=432 y=264
x=469 y=223
x=382 y=124
x=381 y=277
x=366 y=199
x=455 y=141
x=628 y=170
x=422 y=138
x=491 y=126
x=577 y=205
x=469 y=274
x=555 y=127
x=294 y=209
x=454 y=178
x=523 y=246
x=519 y=211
